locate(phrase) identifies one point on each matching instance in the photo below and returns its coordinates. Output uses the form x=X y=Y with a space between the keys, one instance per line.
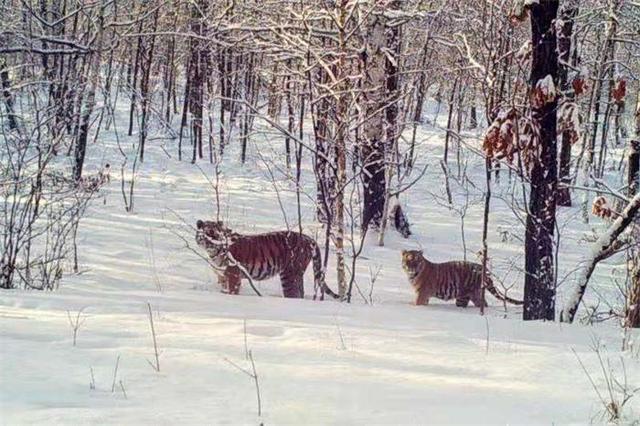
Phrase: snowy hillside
x=378 y=360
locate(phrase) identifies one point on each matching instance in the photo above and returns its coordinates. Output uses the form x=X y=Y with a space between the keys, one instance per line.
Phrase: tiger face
x=212 y=236
x=411 y=259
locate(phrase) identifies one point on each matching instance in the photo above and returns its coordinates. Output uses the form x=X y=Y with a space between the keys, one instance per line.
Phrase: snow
x=317 y=362
x=605 y=240
x=546 y=89
x=569 y=119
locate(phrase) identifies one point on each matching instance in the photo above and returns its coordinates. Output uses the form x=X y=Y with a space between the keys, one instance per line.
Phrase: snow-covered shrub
x=40 y=204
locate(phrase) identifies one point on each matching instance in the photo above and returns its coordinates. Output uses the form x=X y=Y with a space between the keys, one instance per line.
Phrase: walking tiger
x=262 y=256
x=458 y=280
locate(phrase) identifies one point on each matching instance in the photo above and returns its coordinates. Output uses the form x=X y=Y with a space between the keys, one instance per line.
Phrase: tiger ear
x=199 y=224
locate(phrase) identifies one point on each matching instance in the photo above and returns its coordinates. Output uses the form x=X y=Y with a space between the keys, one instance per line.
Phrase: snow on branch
x=569 y=120
x=511 y=134
x=600 y=250
x=520 y=9
x=544 y=93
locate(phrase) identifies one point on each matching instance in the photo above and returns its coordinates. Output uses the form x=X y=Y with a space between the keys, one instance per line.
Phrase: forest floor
x=378 y=360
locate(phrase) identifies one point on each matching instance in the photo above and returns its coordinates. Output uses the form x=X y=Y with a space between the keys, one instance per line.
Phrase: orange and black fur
x=457 y=280
x=262 y=256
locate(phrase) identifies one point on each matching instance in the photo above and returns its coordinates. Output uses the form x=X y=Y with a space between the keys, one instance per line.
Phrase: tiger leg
x=422 y=298
x=292 y=285
x=478 y=300
x=462 y=302
x=223 y=283
x=232 y=281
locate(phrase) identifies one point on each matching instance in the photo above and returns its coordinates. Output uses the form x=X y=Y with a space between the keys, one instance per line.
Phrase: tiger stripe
x=262 y=256
x=458 y=280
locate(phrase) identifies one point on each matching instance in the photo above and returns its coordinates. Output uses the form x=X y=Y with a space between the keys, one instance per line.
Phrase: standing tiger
x=262 y=256
x=458 y=280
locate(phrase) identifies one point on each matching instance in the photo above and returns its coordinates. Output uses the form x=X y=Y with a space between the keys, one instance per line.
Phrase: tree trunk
x=6 y=94
x=391 y=153
x=372 y=148
x=567 y=16
x=144 y=86
x=632 y=315
x=539 y=285
x=89 y=102
x=134 y=83
x=602 y=69
x=198 y=66
x=599 y=251
x=633 y=172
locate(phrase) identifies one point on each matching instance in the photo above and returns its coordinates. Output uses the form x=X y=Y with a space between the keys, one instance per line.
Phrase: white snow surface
x=317 y=362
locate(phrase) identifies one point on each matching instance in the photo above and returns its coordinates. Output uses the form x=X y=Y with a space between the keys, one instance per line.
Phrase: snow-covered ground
x=388 y=362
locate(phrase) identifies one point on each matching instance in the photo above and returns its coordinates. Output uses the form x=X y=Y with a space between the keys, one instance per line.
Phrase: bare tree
x=539 y=284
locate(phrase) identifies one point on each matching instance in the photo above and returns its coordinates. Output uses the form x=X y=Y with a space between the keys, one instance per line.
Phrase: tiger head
x=411 y=260
x=212 y=236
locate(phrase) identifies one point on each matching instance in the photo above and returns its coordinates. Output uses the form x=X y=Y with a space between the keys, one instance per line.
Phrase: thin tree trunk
x=632 y=315
x=391 y=154
x=290 y=118
x=449 y=120
x=144 y=88
x=6 y=94
x=341 y=123
x=485 y=229
x=185 y=109
x=567 y=16
x=599 y=251
x=373 y=147
x=134 y=83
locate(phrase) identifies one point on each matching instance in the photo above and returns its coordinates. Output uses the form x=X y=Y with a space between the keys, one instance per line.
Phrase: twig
x=115 y=374
x=152 y=262
x=246 y=349
x=76 y=323
x=124 y=392
x=486 y=322
x=343 y=346
x=253 y=374
x=155 y=343
x=255 y=379
x=92 y=383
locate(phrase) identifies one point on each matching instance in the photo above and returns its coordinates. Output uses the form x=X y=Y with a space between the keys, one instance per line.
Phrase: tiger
x=460 y=280
x=285 y=253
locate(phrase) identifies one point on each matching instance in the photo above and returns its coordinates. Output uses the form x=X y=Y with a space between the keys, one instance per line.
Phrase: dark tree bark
x=6 y=95
x=199 y=70
x=134 y=83
x=447 y=137
x=632 y=317
x=381 y=109
x=185 y=109
x=539 y=285
x=634 y=166
x=473 y=118
x=633 y=173
x=288 y=88
x=223 y=93
x=372 y=144
x=567 y=16
x=147 y=56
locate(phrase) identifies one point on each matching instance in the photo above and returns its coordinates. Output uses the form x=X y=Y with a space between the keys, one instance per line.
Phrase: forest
x=173 y=173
